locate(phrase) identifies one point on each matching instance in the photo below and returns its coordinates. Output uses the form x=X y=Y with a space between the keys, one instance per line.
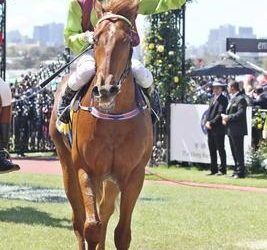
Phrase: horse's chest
x=112 y=148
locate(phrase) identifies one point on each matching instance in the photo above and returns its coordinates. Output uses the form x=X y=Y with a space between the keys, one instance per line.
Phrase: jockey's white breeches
x=85 y=70
x=5 y=93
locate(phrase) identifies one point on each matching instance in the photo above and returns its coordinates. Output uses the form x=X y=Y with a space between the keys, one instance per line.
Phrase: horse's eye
x=95 y=40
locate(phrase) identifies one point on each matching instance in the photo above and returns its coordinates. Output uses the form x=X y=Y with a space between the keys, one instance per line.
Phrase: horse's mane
x=126 y=8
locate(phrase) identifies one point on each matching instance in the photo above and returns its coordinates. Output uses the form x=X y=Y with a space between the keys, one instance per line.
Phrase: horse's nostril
x=114 y=90
x=95 y=91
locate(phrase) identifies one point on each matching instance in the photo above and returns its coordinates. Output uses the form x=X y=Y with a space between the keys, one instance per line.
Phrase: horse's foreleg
x=106 y=208
x=74 y=196
x=92 y=226
x=71 y=187
x=130 y=191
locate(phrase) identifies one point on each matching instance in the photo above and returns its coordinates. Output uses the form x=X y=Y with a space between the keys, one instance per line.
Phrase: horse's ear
x=98 y=8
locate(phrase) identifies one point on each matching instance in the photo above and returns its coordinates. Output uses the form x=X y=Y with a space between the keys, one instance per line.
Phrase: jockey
x=79 y=35
x=5 y=119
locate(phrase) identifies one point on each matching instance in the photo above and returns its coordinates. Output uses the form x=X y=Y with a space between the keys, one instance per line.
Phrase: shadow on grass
x=31 y=216
x=258 y=176
x=150 y=199
x=204 y=167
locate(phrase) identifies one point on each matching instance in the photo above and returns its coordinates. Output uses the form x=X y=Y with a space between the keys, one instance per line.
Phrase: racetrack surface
x=52 y=167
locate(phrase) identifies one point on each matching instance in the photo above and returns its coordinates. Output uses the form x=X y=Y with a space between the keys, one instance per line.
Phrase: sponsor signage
x=189 y=142
x=246 y=45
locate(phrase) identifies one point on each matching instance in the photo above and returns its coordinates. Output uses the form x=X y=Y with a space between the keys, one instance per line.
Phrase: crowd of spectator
x=32 y=107
x=254 y=90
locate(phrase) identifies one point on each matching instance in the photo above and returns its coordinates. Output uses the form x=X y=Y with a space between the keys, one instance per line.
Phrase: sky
x=201 y=16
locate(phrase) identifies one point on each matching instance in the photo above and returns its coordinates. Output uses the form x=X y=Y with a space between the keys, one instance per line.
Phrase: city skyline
x=204 y=15
x=201 y=15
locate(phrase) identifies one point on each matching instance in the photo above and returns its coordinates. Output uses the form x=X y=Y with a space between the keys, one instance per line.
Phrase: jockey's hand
x=89 y=37
x=208 y=125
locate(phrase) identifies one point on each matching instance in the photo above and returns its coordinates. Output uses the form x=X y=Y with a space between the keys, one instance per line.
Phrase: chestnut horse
x=112 y=146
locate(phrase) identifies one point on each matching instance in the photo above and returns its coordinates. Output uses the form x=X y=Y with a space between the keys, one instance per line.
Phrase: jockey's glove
x=89 y=37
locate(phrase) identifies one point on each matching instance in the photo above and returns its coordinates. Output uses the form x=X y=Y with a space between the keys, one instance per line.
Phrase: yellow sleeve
x=73 y=32
x=148 y=7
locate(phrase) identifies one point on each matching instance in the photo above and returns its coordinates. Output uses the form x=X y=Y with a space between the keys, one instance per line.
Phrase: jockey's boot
x=63 y=111
x=6 y=164
x=154 y=99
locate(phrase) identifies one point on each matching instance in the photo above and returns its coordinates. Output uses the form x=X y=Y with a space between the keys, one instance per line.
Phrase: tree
x=165 y=55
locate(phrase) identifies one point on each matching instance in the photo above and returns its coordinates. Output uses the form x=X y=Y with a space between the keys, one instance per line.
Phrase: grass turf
x=195 y=175
x=166 y=217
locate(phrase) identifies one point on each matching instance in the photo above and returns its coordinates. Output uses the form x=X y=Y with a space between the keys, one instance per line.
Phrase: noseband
x=116 y=117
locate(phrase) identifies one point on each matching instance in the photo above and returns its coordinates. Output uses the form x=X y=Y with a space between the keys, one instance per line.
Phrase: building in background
x=216 y=43
x=44 y=35
x=49 y=34
x=217 y=38
x=246 y=32
x=14 y=36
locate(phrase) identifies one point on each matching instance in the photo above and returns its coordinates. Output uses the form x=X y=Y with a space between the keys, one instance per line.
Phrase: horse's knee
x=92 y=232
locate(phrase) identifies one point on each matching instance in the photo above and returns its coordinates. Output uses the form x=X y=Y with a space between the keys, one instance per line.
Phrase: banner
x=189 y=141
x=246 y=45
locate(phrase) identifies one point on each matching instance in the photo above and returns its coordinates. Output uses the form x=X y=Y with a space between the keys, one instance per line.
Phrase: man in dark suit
x=260 y=98
x=259 y=101
x=235 y=120
x=216 y=130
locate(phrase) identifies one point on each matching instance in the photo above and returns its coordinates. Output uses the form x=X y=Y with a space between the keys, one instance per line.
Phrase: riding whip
x=52 y=77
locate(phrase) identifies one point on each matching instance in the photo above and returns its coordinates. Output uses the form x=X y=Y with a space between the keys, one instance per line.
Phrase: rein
x=116 y=117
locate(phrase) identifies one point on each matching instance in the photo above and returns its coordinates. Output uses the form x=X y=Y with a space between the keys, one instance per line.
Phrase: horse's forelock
x=126 y=8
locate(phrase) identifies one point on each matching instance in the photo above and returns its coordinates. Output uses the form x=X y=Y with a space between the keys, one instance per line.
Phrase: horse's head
x=113 y=49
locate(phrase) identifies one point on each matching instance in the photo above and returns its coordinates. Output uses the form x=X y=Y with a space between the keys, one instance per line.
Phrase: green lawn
x=196 y=175
x=35 y=180
x=166 y=217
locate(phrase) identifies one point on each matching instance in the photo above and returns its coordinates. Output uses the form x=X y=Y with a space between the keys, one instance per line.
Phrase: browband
x=109 y=15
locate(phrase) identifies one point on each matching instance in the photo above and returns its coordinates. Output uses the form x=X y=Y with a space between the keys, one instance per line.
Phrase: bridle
x=116 y=117
x=127 y=69
x=110 y=15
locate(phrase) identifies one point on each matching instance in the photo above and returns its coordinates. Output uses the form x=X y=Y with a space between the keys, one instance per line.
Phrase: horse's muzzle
x=106 y=91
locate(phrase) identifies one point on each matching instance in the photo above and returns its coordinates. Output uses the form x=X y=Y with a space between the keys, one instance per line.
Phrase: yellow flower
x=160 y=48
x=151 y=46
x=176 y=79
x=259 y=126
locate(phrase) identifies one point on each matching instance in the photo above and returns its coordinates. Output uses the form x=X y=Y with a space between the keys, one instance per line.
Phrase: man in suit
x=235 y=121
x=260 y=97
x=216 y=130
x=259 y=101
